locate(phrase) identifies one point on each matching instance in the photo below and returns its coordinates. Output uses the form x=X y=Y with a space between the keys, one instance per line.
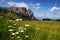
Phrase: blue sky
x=40 y=8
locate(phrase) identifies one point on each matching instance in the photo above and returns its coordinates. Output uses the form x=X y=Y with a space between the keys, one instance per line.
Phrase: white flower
x=13 y=27
x=9 y=26
x=26 y=25
x=20 y=28
x=10 y=30
x=26 y=36
x=22 y=31
x=18 y=19
x=18 y=37
x=16 y=32
x=14 y=24
x=13 y=33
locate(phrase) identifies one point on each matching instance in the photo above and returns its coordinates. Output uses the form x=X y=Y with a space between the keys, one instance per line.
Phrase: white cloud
x=47 y=15
x=37 y=4
x=37 y=7
x=34 y=6
x=22 y=4
x=11 y=3
x=15 y=4
x=54 y=8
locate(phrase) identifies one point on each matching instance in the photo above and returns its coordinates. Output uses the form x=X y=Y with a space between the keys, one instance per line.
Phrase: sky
x=40 y=8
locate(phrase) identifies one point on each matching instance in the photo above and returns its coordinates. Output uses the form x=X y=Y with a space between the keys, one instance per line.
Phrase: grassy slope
x=41 y=24
x=46 y=30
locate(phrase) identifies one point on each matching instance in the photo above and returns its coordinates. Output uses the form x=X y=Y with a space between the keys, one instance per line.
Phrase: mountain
x=20 y=11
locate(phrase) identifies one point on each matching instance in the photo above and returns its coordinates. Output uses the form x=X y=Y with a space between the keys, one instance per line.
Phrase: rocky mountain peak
x=22 y=12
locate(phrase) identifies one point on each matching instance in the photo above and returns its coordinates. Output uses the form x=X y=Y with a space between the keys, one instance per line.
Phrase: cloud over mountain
x=15 y=4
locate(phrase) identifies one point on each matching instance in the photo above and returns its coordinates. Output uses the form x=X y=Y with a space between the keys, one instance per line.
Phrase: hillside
x=13 y=29
x=19 y=11
x=37 y=30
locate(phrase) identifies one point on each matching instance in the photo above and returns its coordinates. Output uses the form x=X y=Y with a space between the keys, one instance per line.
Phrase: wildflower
x=21 y=29
x=9 y=26
x=13 y=27
x=18 y=37
x=20 y=19
x=26 y=25
x=10 y=20
x=10 y=30
x=14 y=24
x=16 y=32
x=13 y=33
x=26 y=36
x=17 y=19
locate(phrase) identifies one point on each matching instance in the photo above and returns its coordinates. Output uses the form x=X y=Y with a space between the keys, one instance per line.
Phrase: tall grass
x=37 y=30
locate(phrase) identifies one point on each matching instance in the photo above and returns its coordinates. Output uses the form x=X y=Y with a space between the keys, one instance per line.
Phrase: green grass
x=38 y=30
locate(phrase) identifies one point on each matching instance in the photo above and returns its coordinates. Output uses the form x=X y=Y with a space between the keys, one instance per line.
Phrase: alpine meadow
x=29 y=19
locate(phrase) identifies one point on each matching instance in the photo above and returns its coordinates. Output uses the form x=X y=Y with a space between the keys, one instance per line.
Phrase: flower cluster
x=16 y=33
x=18 y=19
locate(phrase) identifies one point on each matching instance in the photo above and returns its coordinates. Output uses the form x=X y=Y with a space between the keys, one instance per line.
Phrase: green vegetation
x=27 y=30
x=8 y=15
x=37 y=30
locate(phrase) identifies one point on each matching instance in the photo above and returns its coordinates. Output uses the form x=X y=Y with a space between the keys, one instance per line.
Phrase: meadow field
x=29 y=19
x=29 y=30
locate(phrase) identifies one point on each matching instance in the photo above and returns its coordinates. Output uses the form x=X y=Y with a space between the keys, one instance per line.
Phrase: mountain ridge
x=20 y=11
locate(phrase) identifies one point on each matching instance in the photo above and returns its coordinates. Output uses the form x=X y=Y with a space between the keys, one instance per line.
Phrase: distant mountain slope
x=20 y=11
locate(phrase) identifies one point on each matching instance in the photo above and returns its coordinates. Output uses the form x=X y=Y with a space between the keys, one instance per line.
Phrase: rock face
x=22 y=12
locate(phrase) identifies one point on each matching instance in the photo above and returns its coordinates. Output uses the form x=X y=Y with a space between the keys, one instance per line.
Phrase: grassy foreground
x=37 y=30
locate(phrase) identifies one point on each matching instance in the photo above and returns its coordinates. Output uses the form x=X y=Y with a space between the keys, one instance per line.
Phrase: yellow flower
x=26 y=25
